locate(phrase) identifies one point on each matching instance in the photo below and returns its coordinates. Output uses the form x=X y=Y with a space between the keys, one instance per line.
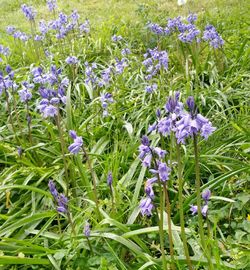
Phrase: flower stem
x=169 y=227
x=198 y=192
x=182 y=220
x=93 y=180
x=63 y=152
x=161 y=231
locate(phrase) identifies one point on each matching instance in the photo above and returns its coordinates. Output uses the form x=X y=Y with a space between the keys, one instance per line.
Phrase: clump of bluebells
x=182 y=123
x=206 y=194
x=52 y=87
x=155 y=61
x=212 y=36
x=7 y=83
x=187 y=31
x=29 y=12
x=60 y=199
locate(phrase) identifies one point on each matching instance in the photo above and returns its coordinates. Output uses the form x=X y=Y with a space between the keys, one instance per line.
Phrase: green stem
x=162 y=206
x=28 y=118
x=161 y=231
x=182 y=220
x=93 y=180
x=63 y=152
x=198 y=191
x=90 y=246
x=169 y=227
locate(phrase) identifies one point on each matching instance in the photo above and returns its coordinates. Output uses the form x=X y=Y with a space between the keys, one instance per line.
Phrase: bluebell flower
x=151 y=88
x=120 y=65
x=4 y=50
x=146 y=206
x=25 y=95
x=192 y=17
x=206 y=194
x=52 y=5
x=210 y=34
x=19 y=151
x=156 y=28
x=29 y=12
x=163 y=171
x=86 y=230
x=74 y=16
x=109 y=179
x=84 y=27
x=62 y=201
x=106 y=99
x=148 y=188
x=116 y=38
x=125 y=51
x=76 y=146
x=72 y=60
x=194 y=209
x=10 y=29
x=53 y=190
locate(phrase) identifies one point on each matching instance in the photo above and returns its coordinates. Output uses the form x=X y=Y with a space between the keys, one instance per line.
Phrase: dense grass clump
x=124 y=135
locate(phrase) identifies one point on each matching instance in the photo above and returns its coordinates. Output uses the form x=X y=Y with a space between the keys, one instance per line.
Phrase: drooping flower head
x=52 y=5
x=76 y=146
x=29 y=12
x=146 y=207
x=86 y=230
x=109 y=179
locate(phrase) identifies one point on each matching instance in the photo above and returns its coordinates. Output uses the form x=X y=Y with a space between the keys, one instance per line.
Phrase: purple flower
x=145 y=141
x=151 y=88
x=204 y=210
x=51 y=5
x=165 y=126
x=149 y=188
x=86 y=230
x=19 y=151
x=210 y=34
x=163 y=171
x=116 y=38
x=84 y=27
x=29 y=12
x=4 y=50
x=125 y=51
x=147 y=160
x=10 y=29
x=192 y=18
x=120 y=65
x=189 y=34
x=76 y=146
x=106 y=99
x=75 y=16
x=160 y=152
x=156 y=28
x=25 y=95
x=72 y=60
x=206 y=194
x=109 y=179
x=72 y=134
x=53 y=190
x=62 y=201
x=190 y=103
x=146 y=207
x=194 y=209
